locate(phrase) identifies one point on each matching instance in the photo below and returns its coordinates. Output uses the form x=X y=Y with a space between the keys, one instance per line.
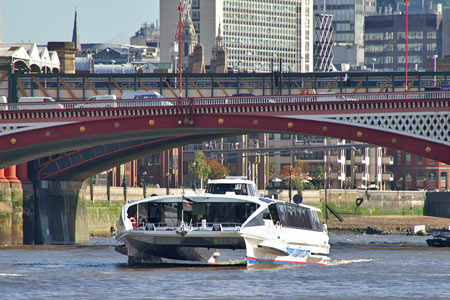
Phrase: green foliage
x=201 y=168
x=300 y=185
x=271 y=169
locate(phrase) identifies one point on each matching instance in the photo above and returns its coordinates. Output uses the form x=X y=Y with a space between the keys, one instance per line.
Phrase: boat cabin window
x=291 y=215
x=219 y=212
x=237 y=188
x=160 y=214
x=170 y=214
x=258 y=220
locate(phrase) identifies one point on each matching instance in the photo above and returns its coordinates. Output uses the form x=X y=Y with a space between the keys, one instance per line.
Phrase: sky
x=99 y=21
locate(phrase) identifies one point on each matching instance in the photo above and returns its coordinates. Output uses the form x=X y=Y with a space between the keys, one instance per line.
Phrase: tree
x=299 y=175
x=216 y=170
x=319 y=176
x=201 y=168
x=271 y=170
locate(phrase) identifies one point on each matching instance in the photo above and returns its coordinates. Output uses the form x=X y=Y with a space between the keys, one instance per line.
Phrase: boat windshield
x=288 y=215
x=237 y=188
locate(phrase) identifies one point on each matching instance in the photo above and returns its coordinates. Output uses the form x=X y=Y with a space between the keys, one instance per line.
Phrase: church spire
x=76 y=33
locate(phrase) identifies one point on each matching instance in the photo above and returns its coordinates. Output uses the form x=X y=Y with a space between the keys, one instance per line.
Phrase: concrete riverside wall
x=395 y=201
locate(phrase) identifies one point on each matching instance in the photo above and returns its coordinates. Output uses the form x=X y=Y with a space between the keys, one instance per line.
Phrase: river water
x=362 y=267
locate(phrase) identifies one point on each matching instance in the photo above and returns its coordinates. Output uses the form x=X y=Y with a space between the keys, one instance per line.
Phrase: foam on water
x=10 y=275
x=338 y=262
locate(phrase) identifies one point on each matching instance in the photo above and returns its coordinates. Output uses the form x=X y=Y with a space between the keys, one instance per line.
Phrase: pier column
x=22 y=172
x=11 y=174
x=2 y=176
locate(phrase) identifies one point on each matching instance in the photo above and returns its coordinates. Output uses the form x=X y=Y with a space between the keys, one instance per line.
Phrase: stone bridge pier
x=46 y=212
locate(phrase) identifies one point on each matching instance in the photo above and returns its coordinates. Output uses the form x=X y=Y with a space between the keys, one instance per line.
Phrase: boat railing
x=213 y=226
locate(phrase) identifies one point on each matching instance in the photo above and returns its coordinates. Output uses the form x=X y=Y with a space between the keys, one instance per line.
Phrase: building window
x=420 y=177
x=432 y=177
x=419 y=159
x=443 y=178
x=285 y=136
x=407 y=158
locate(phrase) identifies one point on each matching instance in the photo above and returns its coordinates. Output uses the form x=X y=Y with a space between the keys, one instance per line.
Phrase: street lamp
x=193 y=176
x=167 y=183
x=290 y=183
x=434 y=68
x=144 y=188
x=373 y=64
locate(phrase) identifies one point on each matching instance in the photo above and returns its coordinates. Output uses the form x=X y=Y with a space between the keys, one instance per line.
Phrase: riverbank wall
x=72 y=212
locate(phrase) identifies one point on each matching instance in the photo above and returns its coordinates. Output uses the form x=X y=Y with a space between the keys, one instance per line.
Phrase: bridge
x=82 y=138
x=416 y=122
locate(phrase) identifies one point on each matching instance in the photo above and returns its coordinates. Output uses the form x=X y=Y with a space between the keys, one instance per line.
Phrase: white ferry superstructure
x=188 y=229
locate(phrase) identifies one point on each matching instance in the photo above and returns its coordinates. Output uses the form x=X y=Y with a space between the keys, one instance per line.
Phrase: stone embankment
x=395 y=224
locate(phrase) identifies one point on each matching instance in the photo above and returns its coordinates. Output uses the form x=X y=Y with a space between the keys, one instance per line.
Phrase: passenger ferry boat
x=188 y=229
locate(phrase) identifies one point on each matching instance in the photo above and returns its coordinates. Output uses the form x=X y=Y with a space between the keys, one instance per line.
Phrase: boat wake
x=339 y=262
x=10 y=275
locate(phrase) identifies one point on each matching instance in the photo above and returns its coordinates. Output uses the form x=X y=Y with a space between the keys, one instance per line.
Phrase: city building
x=147 y=35
x=29 y=58
x=414 y=172
x=348 y=164
x=258 y=36
x=414 y=7
x=385 y=40
x=348 y=25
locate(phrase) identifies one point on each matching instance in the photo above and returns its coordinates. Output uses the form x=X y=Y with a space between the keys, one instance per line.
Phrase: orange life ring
x=133 y=221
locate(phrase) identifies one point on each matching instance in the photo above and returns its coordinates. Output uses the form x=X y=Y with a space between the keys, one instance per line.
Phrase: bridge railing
x=227 y=101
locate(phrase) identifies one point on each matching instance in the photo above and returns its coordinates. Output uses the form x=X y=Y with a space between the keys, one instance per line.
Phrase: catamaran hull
x=145 y=248
x=276 y=251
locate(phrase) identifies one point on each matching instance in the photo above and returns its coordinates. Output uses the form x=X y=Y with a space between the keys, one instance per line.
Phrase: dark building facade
x=415 y=172
x=385 y=41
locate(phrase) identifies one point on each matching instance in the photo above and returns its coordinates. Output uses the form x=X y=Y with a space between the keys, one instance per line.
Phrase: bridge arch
x=24 y=146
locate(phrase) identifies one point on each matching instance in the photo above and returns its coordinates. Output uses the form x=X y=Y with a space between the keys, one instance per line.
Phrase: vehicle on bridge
x=187 y=229
x=103 y=97
x=38 y=103
x=141 y=95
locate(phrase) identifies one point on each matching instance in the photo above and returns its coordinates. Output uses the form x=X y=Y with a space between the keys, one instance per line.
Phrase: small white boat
x=189 y=229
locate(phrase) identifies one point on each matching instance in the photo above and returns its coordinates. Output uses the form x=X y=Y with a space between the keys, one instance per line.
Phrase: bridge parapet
x=221 y=105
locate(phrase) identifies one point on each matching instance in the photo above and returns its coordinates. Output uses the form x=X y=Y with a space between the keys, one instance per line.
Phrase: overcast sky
x=41 y=21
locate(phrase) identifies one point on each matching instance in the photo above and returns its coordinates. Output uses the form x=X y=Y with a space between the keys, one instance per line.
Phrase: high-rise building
x=348 y=24
x=386 y=41
x=258 y=35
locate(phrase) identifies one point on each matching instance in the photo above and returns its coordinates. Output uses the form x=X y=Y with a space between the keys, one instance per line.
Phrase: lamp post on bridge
x=434 y=68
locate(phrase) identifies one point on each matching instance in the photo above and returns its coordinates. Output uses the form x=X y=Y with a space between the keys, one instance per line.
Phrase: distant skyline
x=99 y=21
